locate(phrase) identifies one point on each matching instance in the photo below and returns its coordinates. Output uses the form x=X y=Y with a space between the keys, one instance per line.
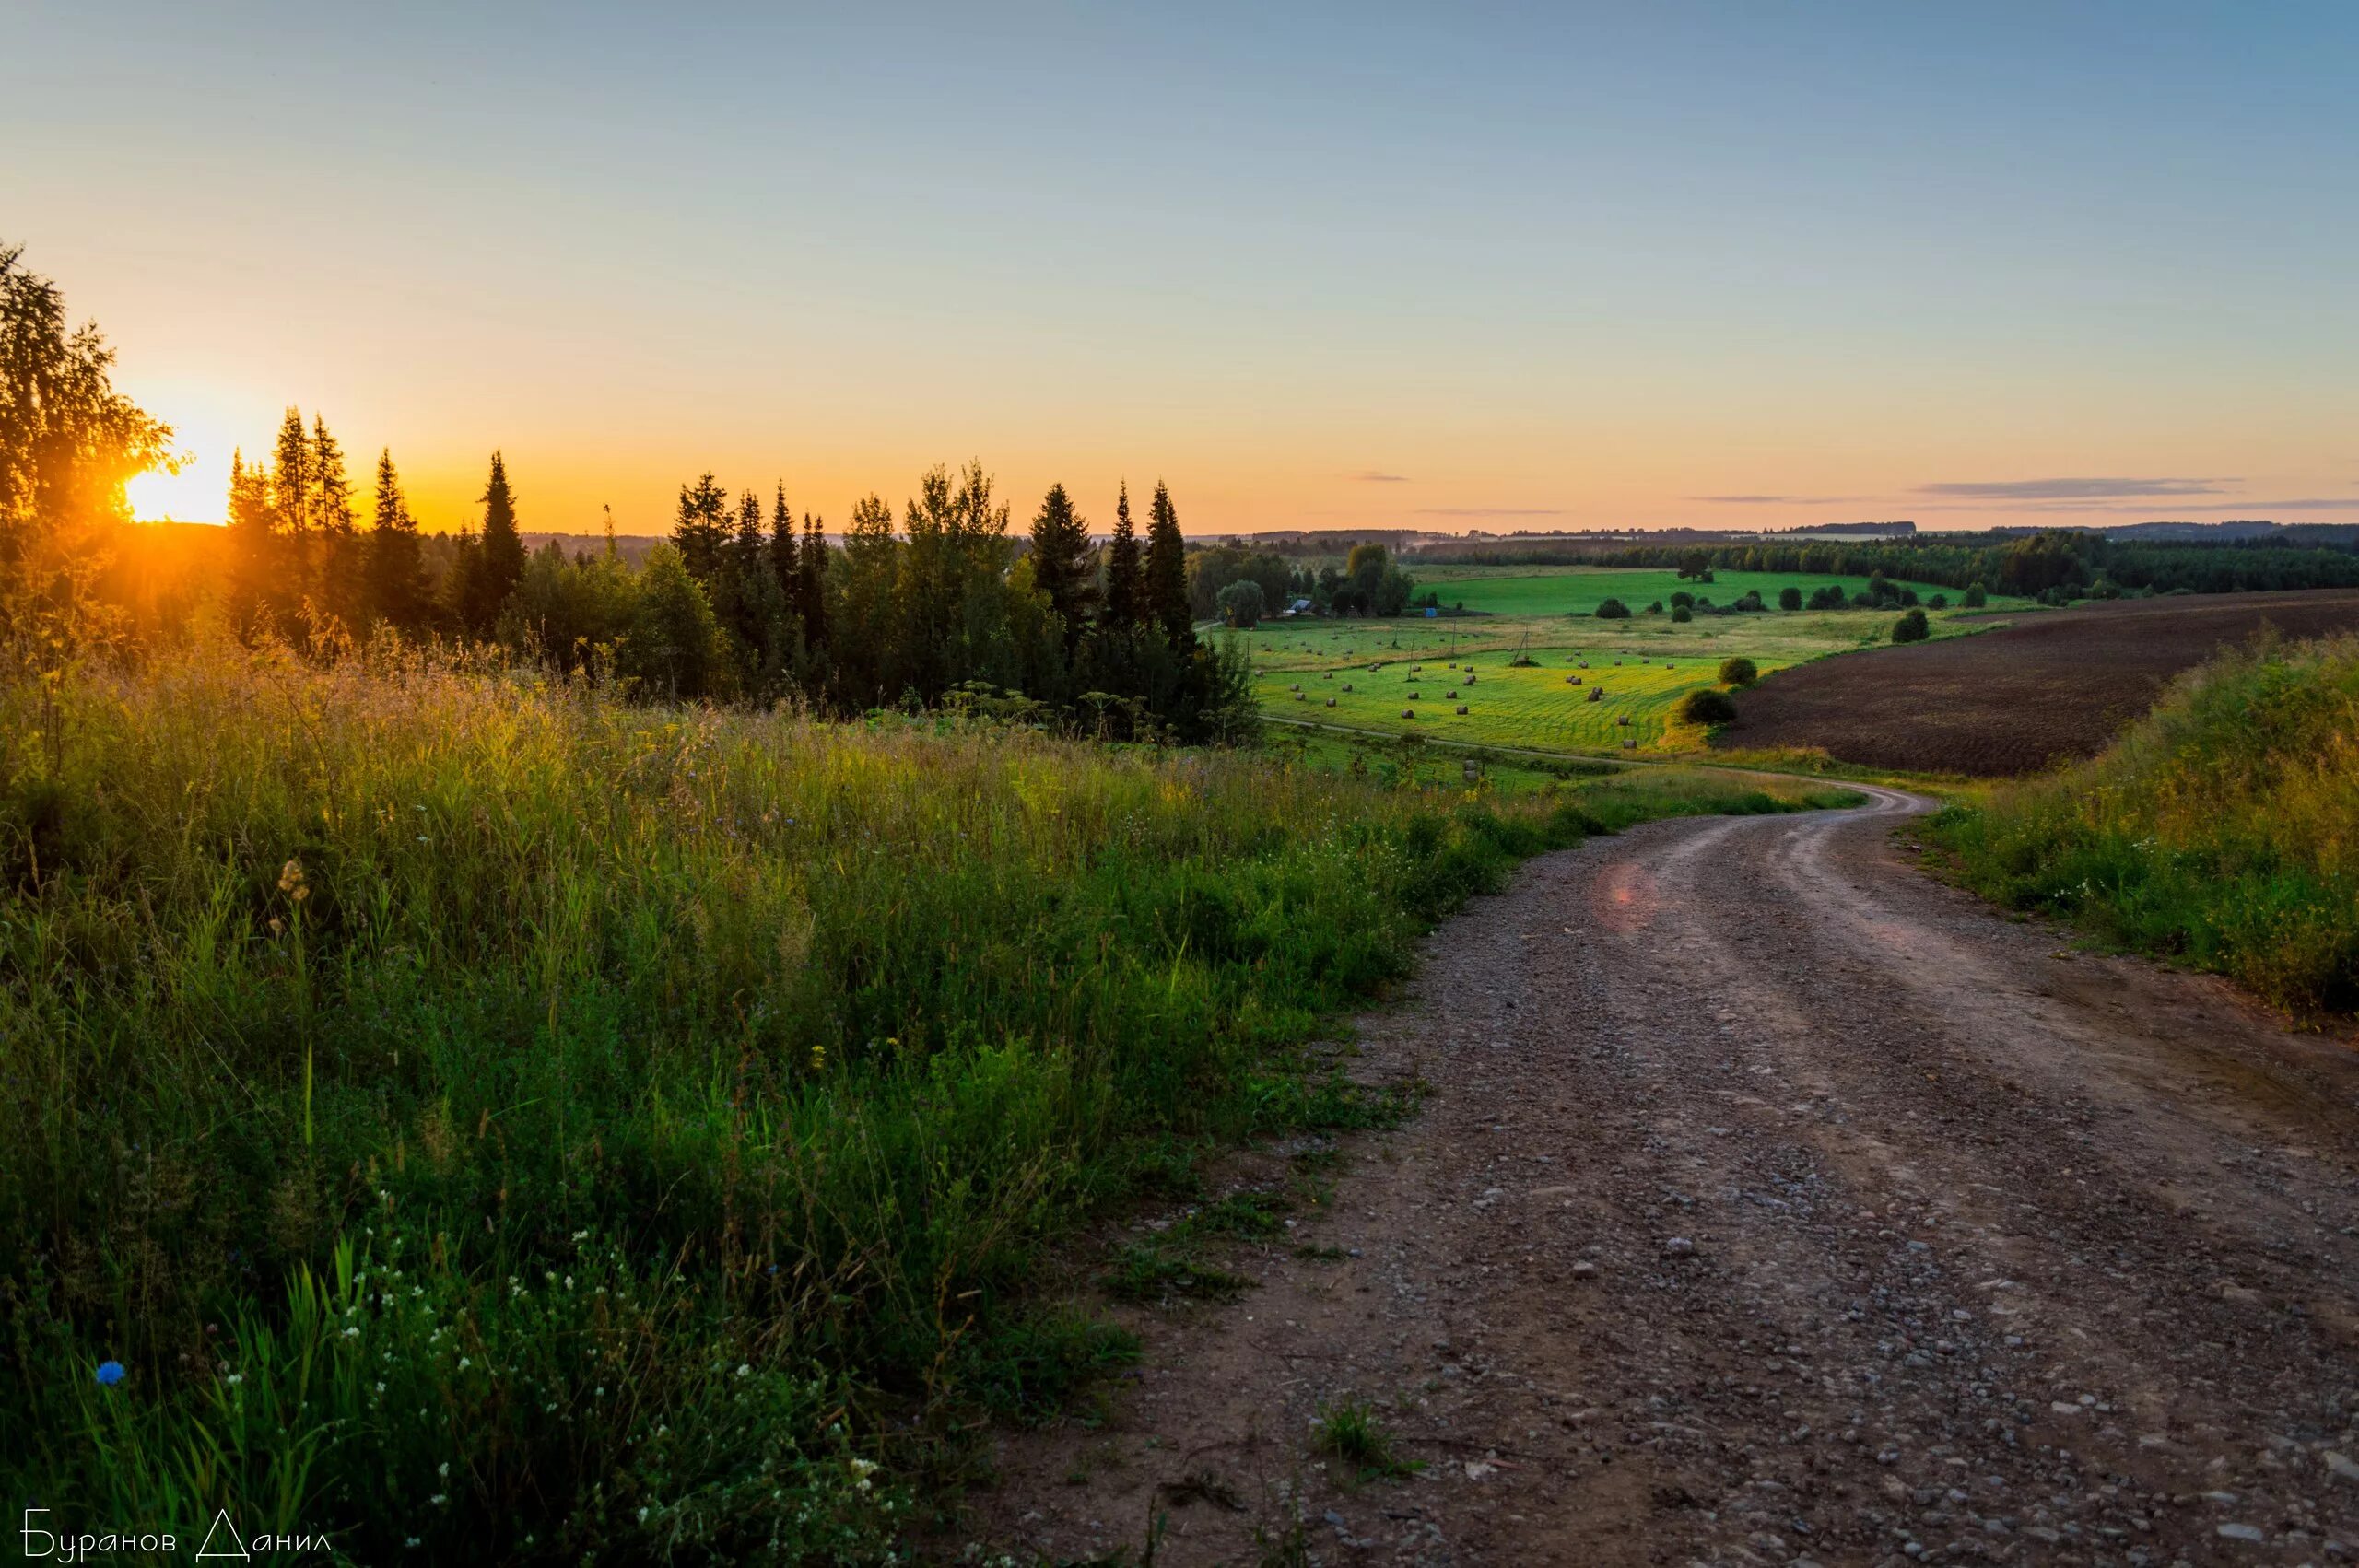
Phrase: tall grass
x=2223 y=829
x=491 y=1120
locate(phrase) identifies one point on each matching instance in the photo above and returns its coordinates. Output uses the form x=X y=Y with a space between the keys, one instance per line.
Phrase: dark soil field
x=2050 y=687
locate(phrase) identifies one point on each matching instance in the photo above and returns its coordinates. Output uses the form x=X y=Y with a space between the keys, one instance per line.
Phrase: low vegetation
x=458 y=1104
x=2217 y=830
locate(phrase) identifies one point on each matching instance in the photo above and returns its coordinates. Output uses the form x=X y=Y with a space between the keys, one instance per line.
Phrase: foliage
x=1350 y=1430
x=68 y=444
x=2216 y=830
x=1614 y=610
x=1706 y=705
x=1739 y=671
x=626 y=1107
x=1241 y=603
x=1911 y=627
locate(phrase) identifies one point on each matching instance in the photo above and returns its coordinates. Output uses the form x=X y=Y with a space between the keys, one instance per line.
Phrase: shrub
x=1655 y=607
x=1910 y=627
x=1682 y=615
x=1683 y=600
x=1790 y=598
x=1830 y=596
x=1976 y=596
x=1739 y=671
x=1707 y=705
x=1614 y=610
x=1937 y=601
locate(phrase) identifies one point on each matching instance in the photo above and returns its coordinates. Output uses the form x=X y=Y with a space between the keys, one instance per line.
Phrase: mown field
x=1646 y=664
x=478 y=1118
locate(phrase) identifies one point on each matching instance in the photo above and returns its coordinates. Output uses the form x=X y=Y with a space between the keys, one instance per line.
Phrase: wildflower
x=465 y=1361
x=818 y=1059
x=445 y=1471
x=234 y=1379
x=439 y=1498
x=352 y=1333
x=743 y=1368
x=110 y=1372
x=290 y=881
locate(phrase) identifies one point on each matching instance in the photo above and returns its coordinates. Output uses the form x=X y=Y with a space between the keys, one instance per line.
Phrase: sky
x=1327 y=267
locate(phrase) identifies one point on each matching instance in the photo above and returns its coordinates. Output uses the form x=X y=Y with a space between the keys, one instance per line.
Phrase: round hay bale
x=1408 y=713
x=1462 y=711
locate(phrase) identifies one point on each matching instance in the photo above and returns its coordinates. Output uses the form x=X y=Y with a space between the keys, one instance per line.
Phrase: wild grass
x=490 y=1120
x=1350 y=1430
x=2222 y=830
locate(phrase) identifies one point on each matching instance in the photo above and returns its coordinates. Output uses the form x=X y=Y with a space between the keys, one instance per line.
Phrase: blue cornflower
x=110 y=1372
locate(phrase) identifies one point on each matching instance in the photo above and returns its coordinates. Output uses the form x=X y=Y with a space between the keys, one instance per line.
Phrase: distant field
x=1661 y=661
x=1530 y=590
x=2056 y=687
x=1538 y=706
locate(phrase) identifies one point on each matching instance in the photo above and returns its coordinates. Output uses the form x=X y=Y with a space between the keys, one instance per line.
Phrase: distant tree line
x=1238 y=586
x=2055 y=562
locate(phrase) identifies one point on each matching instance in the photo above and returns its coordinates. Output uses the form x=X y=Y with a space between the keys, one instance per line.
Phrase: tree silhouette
x=1167 y=571
x=1062 y=567
x=1125 y=589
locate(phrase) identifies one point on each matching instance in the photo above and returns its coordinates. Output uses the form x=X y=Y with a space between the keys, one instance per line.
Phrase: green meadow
x=480 y=1116
x=1401 y=673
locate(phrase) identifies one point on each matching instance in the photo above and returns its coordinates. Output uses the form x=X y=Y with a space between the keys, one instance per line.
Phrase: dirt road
x=1775 y=1203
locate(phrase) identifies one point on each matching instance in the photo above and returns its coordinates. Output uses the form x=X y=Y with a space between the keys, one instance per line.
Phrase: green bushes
x=1706 y=705
x=1612 y=610
x=1910 y=627
x=1976 y=596
x=2218 y=830
x=1739 y=671
x=1682 y=615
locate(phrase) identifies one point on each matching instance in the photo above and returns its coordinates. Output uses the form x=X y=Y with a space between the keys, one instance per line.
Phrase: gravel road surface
x=1774 y=1203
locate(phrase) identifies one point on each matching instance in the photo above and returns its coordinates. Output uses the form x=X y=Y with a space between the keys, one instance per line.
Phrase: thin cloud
x=1778 y=500
x=1370 y=477
x=2072 y=489
x=1490 y=511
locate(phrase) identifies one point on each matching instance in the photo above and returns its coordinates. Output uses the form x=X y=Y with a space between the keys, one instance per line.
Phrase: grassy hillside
x=2219 y=830
x=477 y=1117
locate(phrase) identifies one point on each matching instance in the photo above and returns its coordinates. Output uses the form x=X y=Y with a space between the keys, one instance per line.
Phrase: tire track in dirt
x=1777 y=1204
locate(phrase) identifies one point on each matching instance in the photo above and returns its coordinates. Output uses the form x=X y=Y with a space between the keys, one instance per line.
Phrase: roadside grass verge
x=483 y=1119
x=2217 y=831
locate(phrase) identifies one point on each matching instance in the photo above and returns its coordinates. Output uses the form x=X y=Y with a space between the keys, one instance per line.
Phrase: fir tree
x=1167 y=571
x=811 y=573
x=395 y=574
x=702 y=527
x=745 y=552
x=341 y=568
x=782 y=563
x=502 y=552
x=290 y=476
x=1125 y=601
x=1062 y=567
x=257 y=573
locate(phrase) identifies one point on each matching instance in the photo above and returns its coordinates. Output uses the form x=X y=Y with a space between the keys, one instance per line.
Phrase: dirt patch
x=2053 y=686
x=1773 y=1204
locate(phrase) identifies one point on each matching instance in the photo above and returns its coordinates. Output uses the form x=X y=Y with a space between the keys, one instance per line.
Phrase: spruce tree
x=1167 y=572
x=290 y=476
x=1125 y=597
x=810 y=571
x=395 y=573
x=701 y=527
x=257 y=575
x=502 y=549
x=782 y=563
x=340 y=562
x=746 y=553
x=1062 y=564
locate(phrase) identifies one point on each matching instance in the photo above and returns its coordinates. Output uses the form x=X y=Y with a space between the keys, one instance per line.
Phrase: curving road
x=1775 y=1203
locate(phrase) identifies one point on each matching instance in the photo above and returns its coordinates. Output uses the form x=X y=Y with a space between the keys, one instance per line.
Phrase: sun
x=204 y=437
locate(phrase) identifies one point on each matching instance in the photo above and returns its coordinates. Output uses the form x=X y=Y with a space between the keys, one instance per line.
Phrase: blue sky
x=1575 y=266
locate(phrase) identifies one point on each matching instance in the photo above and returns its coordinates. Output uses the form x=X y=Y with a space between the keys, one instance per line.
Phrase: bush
x=1976 y=596
x=1790 y=598
x=1683 y=600
x=1242 y=603
x=1655 y=607
x=1937 y=601
x=1830 y=596
x=1682 y=615
x=1707 y=705
x=1614 y=610
x=1910 y=627
x=1739 y=671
